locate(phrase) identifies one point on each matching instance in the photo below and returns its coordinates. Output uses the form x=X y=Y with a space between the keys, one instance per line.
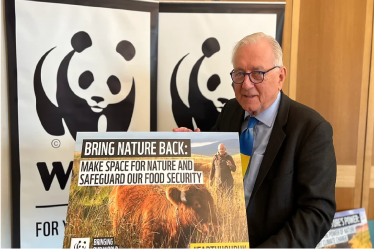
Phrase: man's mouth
x=249 y=96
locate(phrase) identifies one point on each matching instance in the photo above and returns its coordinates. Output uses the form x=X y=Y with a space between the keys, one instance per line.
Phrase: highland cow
x=166 y=218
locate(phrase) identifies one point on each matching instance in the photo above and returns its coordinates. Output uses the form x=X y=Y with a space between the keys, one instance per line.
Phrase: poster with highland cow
x=156 y=190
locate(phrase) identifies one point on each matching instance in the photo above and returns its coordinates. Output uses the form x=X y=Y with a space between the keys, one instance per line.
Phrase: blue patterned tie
x=246 y=144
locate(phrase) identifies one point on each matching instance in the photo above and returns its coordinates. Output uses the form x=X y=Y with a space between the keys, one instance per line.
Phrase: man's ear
x=282 y=77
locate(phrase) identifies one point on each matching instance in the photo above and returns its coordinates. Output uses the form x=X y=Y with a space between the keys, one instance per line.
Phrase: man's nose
x=247 y=84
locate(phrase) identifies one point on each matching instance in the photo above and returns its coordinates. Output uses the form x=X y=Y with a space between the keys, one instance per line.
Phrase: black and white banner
x=99 y=65
x=78 y=68
x=195 y=45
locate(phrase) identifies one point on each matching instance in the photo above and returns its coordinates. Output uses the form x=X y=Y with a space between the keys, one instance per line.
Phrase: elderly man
x=222 y=166
x=289 y=183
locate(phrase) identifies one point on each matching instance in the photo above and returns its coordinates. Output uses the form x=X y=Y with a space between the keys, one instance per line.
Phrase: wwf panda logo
x=202 y=110
x=83 y=113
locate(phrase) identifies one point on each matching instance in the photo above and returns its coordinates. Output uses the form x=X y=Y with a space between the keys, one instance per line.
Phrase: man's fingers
x=181 y=129
x=184 y=129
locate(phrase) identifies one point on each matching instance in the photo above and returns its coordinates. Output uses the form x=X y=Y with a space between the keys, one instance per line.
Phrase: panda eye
x=114 y=84
x=213 y=82
x=85 y=80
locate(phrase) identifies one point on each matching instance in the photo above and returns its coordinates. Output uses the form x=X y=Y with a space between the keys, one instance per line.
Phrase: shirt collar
x=267 y=117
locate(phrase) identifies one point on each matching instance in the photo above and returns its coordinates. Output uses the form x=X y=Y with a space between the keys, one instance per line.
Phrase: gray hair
x=256 y=37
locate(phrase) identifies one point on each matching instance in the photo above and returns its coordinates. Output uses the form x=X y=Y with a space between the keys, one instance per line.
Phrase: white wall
x=5 y=163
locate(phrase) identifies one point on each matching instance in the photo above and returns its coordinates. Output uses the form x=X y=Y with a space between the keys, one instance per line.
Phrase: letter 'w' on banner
x=246 y=144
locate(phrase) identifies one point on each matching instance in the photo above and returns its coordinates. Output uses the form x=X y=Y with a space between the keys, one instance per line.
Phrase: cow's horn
x=183 y=196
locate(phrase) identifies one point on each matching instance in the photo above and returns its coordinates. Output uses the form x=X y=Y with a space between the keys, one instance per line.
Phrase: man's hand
x=184 y=129
x=229 y=163
x=210 y=182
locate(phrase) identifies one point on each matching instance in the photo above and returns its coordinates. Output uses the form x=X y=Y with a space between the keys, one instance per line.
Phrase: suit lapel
x=276 y=139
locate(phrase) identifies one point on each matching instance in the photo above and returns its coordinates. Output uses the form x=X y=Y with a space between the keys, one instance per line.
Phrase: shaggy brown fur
x=155 y=211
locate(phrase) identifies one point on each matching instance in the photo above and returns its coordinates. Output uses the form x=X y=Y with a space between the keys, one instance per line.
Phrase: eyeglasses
x=255 y=77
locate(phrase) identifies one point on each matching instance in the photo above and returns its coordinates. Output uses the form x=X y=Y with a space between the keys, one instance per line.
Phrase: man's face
x=221 y=149
x=255 y=98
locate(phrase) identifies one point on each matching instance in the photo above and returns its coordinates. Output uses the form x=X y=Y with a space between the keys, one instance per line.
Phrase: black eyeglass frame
x=244 y=74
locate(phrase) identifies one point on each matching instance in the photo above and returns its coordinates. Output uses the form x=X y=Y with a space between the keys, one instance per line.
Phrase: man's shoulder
x=227 y=155
x=232 y=104
x=230 y=112
x=300 y=113
x=302 y=120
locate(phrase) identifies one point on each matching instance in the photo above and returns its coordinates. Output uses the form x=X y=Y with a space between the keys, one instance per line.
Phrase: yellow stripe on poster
x=220 y=245
x=245 y=161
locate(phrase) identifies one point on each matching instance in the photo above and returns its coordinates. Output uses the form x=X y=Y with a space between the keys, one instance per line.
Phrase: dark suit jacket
x=293 y=199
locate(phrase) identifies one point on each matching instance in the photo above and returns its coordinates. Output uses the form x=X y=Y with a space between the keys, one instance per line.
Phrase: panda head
x=212 y=78
x=99 y=74
x=205 y=102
